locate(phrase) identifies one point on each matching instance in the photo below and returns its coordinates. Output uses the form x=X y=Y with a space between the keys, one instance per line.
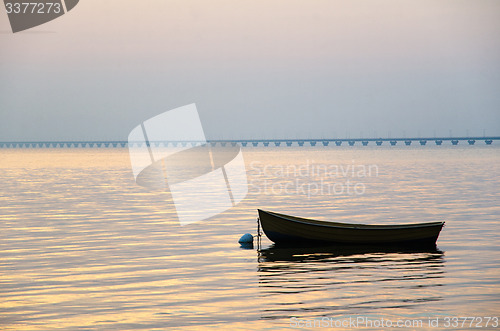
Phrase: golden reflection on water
x=82 y=246
x=346 y=280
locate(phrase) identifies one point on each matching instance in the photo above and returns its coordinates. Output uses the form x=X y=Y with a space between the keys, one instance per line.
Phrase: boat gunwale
x=340 y=225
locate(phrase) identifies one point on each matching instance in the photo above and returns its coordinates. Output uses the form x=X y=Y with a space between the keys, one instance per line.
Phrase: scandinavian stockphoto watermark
x=169 y=152
x=311 y=178
x=27 y=14
x=376 y=322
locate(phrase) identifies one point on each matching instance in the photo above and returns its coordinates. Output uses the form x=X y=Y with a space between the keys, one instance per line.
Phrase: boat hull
x=281 y=228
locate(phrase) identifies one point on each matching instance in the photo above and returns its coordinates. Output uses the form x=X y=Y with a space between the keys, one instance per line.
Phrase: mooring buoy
x=246 y=238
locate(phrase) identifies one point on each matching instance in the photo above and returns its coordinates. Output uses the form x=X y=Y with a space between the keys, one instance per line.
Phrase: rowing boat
x=281 y=228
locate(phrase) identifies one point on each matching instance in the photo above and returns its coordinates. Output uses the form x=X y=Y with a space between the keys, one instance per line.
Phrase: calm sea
x=83 y=247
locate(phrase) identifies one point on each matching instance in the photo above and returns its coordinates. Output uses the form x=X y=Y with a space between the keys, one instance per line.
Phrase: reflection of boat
x=308 y=253
x=290 y=229
x=311 y=281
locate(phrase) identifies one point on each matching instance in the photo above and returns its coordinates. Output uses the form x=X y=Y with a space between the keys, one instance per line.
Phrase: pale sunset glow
x=249 y=165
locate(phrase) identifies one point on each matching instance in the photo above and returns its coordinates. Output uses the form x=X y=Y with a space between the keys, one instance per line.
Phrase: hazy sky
x=255 y=68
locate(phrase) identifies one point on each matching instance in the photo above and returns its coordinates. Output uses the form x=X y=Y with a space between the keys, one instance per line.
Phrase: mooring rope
x=258 y=234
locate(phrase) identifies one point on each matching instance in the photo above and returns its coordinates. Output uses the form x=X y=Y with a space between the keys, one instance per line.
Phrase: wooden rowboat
x=281 y=228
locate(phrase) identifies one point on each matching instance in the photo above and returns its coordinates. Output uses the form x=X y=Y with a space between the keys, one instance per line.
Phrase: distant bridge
x=252 y=142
